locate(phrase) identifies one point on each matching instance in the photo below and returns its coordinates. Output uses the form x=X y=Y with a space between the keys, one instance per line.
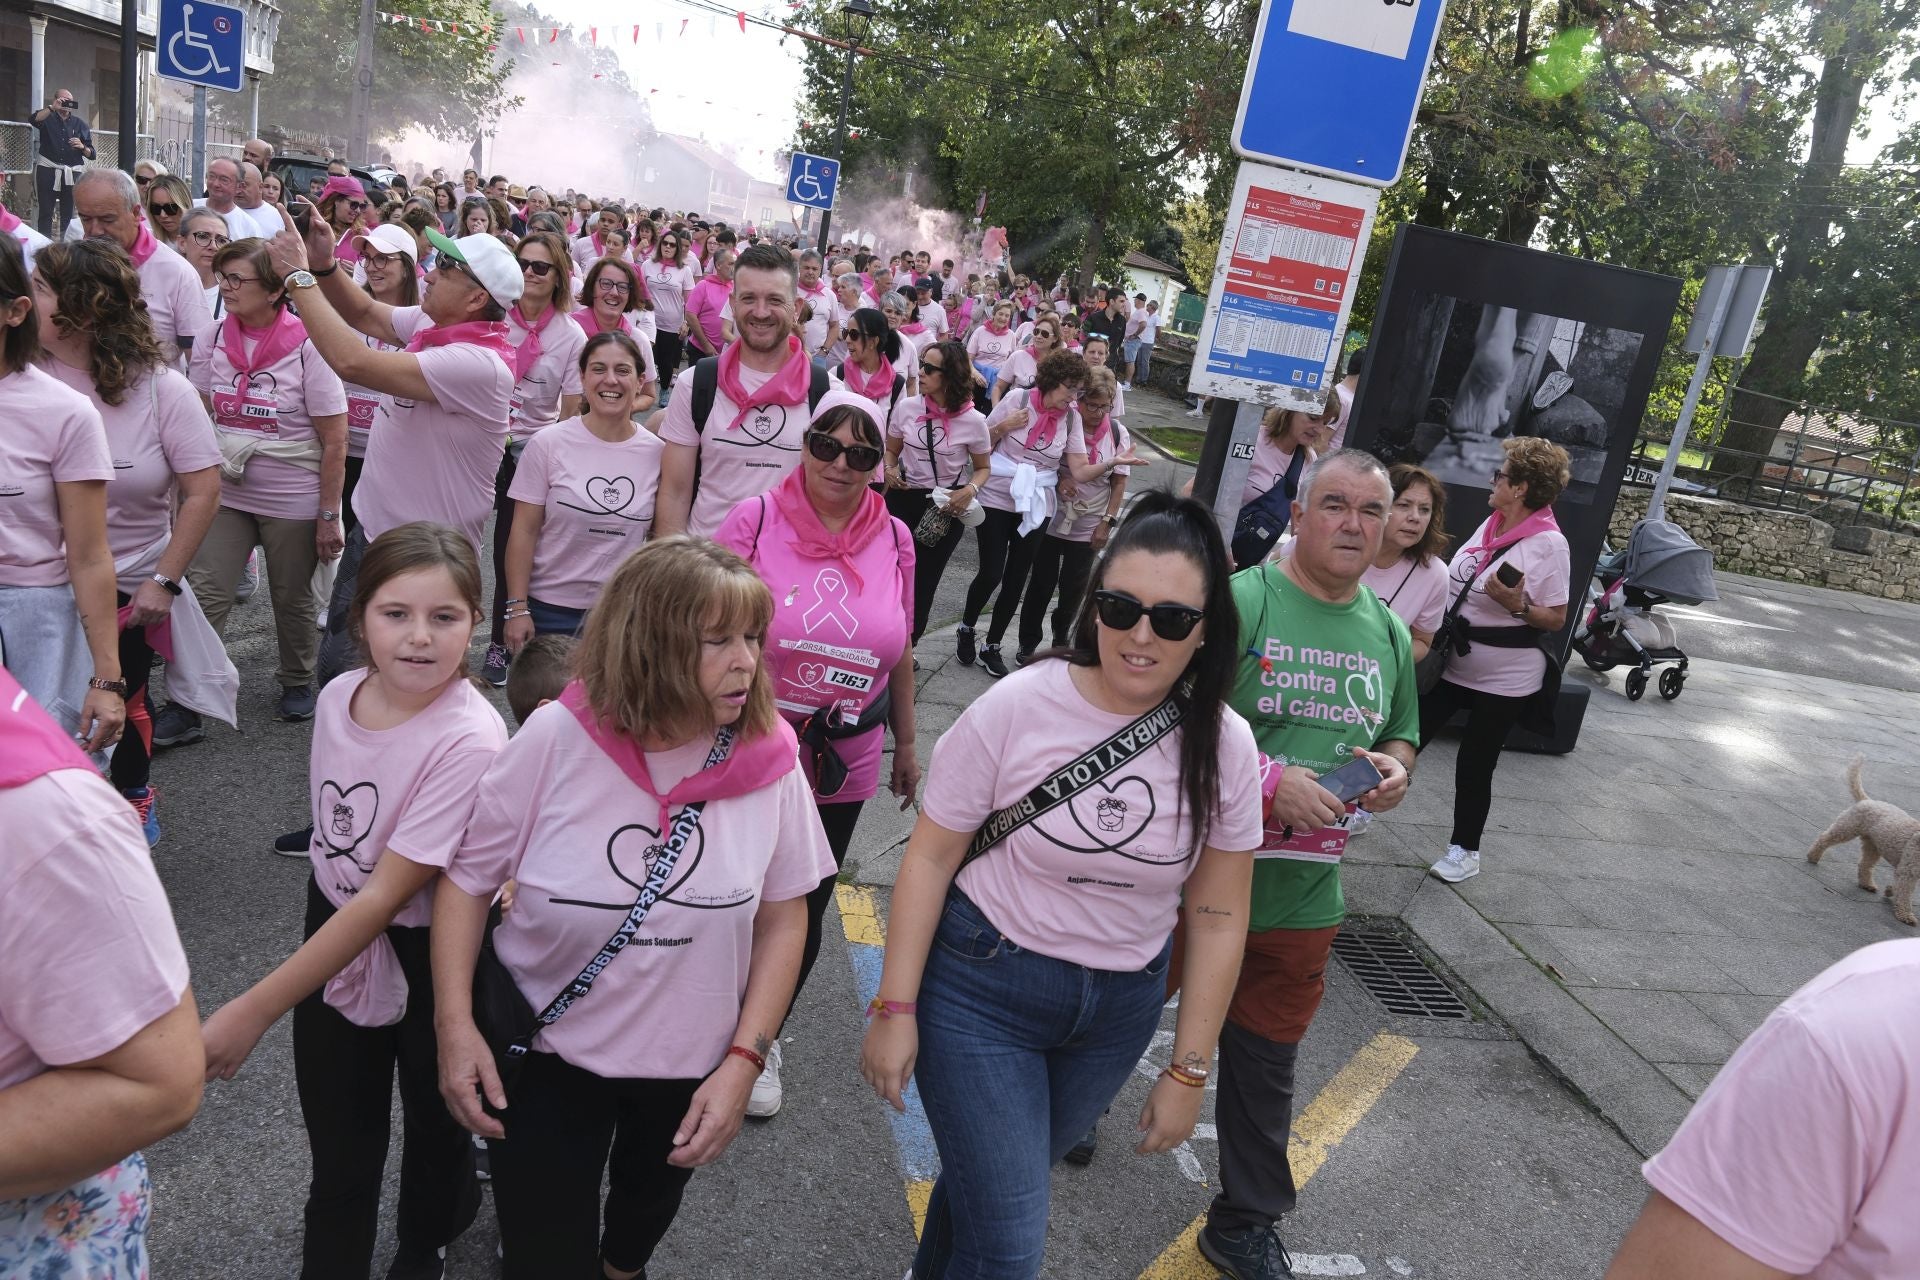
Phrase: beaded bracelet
x=511 y=614
x=1184 y=1077
x=741 y=1051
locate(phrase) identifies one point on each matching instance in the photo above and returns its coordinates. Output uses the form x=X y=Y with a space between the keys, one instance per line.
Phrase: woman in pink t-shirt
x=614 y=296
x=399 y=749
x=991 y=345
x=709 y=318
x=1505 y=623
x=647 y=1077
x=1409 y=575
x=1023 y=366
x=582 y=497
x=938 y=441
x=98 y=342
x=280 y=414
x=56 y=567
x=871 y=369
x=669 y=280
x=1022 y=984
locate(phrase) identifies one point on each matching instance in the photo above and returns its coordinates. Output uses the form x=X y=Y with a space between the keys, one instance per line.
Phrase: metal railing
x=172 y=146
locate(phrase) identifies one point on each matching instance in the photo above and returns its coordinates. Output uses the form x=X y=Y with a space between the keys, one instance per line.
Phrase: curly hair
x=98 y=292
x=1060 y=369
x=1540 y=465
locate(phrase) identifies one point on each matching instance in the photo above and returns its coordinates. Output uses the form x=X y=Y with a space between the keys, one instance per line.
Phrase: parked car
x=296 y=169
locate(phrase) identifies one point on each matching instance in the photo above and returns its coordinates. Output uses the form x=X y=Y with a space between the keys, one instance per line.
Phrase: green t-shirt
x=1341 y=676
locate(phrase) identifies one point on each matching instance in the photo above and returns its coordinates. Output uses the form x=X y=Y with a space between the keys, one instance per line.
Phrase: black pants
x=1055 y=561
x=668 y=350
x=838 y=820
x=565 y=1127
x=338 y=652
x=345 y=1076
x=502 y=530
x=929 y=563
x=349 y=521
x=1004 y=557
x=50 y=226
x=132 y=757
x=1489 y=718
x=1255 y=1104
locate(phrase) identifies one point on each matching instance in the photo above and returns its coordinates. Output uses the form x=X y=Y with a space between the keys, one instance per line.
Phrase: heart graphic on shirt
x=343 y=817
x=1367 y=706
x=761 y=427
x=1109 y=818
x=610 y=495
x=633 y=851
x=810 y=674
x=259 y=385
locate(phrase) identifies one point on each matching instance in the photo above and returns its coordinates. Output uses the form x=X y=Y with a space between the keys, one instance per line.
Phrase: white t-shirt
x=1046 y=457
x=52 y=435
x=668 y=286
x=176 y=304
x=954 y=444
x=554 y=373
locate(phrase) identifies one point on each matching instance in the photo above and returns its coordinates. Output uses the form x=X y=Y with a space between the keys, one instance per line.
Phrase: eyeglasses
x=374 y=258
x=1501 y=477
x=931 y=368
x=230 y=281
x=825 y=448
x=211 y=239
x=540 y=270
x=613 y=286
x=1121 y=612
x=163 y=210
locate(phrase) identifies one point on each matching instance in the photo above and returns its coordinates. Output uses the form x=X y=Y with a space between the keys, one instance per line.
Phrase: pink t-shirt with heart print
x=1096 y=881
x=409 y=788
x=280 y=404
x=597 y=498
x=736 y=463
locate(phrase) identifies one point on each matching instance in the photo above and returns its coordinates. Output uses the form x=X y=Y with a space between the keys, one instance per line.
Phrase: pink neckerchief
x=935 y=414
x=914 y=329
x=1540 y=521
x=528 y=352
x=1096 y=436
x=590 y=322
x=488 y=335
x=875 y=387
x=752 y=764
x=1045 y=421
x=143 y=245
x=819 y=290
x=31 y=744
x=998 y=329
x=270 y=345
x=789 y=386
x=8 y=222
x=599 y=245
x=813 y=539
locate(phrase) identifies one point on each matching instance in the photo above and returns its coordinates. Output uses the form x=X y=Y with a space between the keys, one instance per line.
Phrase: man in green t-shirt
x=1326 y=674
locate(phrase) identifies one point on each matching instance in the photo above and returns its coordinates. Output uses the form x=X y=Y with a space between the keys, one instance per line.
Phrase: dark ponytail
x=1162 y=523
x=872 y=324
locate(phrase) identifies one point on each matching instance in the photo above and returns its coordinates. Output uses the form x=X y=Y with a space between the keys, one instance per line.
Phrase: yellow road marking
x=1329 y=1118
x=860 y=915
x=917 y=1193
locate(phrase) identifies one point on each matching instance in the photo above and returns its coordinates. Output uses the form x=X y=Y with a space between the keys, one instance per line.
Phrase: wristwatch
x=172 y=587
x=109 y=686
x=329 y=516
x=1110 y=520
x=301 y=280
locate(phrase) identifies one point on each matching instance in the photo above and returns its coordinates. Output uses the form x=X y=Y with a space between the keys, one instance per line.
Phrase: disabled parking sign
x=811 y=180
x=202 y=43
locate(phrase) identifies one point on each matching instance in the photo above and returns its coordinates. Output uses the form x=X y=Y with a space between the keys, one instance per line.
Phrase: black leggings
x=345 y=1077
x=567 y=1126
x=502 y=530
x=348 y=521
x=668 y=350
x=1489 y=717
x=1056 y=560
x=929 y=563
x=132 y=757
x=1004 y=558
x=838 y=820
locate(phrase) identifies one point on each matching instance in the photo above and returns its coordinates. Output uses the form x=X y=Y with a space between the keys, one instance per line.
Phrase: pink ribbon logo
x=830 y=605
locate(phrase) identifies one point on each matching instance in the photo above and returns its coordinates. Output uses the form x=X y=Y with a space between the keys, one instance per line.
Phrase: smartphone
x=1351 y=780
x=302 y=215
x=1509 y=575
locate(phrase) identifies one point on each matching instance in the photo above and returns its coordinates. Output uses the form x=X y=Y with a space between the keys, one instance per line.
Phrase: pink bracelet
x=891 y=1008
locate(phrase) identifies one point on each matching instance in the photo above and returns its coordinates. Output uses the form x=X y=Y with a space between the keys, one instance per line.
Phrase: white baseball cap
x=388 y=238
x=490 y=261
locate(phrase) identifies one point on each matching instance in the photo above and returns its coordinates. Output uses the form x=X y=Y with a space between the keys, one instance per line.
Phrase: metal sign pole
x=200 y=137
x=1221 y=474
x=1722 y=303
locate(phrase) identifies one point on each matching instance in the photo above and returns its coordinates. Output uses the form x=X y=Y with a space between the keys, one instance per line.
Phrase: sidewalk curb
x=1629 y=1092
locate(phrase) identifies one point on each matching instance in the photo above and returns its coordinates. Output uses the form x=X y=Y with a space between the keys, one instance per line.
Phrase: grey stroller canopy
x=1662 y=558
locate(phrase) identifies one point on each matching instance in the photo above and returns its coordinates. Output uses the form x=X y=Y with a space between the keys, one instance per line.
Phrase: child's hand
x=507 y=892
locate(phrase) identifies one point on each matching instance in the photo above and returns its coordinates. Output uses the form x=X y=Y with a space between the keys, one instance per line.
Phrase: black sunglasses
x=825 y=448
x=540 y=269
x=163 y=210
x=931 y=368
x=1169 y=621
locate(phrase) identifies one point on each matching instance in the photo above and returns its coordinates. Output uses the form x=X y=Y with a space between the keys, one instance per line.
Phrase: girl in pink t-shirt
x=936 y=441
x=399 y=749
x=669 y=281
x=582 y=498
x=984 y=993
x=1408 y=575
x=648 y=1076
x=1505 y=664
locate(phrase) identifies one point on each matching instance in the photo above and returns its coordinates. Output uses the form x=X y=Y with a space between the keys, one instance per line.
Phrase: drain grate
x=1393 y=972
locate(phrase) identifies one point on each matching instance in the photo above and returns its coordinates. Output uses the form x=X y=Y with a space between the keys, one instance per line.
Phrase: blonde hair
x=1541 y=465
x=1100 y=382
x=638 y=659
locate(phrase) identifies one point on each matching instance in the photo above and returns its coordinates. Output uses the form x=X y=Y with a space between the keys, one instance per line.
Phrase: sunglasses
x=1121 y=612
x=163 y=210
x=541 y=270
x=825 y=448
x=931 y=368
x=143 y=181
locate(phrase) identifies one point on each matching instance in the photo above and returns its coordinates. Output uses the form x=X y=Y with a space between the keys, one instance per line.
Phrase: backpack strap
x=817 y=387
x=706 y=385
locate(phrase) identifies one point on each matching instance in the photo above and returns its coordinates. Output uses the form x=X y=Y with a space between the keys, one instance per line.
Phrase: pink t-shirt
x=1067 y=438
x=1340 y=421
x=176 y=304
x=555 y=373
x=408 y=789
x=1269 y=466
x=437 y=459
x=157 y=431
x=706 y=308
x=1081 y=508
x=833 y=640
x=668 y=286
x=952 y=450
x=738 y=463
x=559 y=816
x=363 y=405
x=1802 y=1154
x=51 y=435
x=598 y=498
x=1417 y=592
x=1097 y=881
x=88 y=952
x=280 y=404
x=1019 y=371
x=1514 y=672
x=989 y=348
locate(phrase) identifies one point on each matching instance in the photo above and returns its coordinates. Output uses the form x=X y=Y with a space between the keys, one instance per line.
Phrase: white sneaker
x=1126 y=386
x=766 y=1097
x=1358 y=821
x=1459 y=864
x=1194 y=412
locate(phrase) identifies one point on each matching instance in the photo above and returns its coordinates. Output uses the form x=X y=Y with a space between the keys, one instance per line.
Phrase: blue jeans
x=1019 y=1055
x=551 y=618
x=1129 y=350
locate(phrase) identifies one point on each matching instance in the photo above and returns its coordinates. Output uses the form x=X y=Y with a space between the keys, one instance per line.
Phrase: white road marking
x=1327 y=1264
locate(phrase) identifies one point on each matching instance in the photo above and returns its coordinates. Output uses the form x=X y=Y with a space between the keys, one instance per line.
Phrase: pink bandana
x=915 y=329
x=590 y=322
x=1540 y=521
x=1045 y=421
x=789 y=386
x=1096 y=436
x=876 y=387
x=31 y=744
x=489 y=335
x=997 y=329
x=528 y=352
x=813 y=539
x=143 y=245
x=7 y=221
x=270 y=345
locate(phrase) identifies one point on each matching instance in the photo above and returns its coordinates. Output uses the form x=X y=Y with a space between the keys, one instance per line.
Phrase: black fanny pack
x=819 y=731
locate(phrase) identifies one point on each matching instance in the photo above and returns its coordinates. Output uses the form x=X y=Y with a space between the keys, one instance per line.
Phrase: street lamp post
x=858 y=14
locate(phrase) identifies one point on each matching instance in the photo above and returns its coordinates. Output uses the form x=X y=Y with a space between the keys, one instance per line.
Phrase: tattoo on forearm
x=1212 y=911
x=761 y=1044
x=1194 y=1061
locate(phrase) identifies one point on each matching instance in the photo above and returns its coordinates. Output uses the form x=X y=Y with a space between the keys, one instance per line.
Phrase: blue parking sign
x=811 y=180
x=202 y=43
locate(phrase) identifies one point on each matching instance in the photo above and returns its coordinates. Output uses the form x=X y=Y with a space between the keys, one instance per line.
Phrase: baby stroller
x=1660 y=565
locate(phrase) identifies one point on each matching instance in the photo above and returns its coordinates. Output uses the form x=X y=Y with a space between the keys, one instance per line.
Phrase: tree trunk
x=1434 y=194
x=1520 y=214
x=1795 y=322
x=1096 y=241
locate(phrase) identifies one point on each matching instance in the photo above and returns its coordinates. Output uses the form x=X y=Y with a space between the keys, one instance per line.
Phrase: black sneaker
x=418 y=1264
x=494 y=669
x=1250 y=1253
x=963 y=645
x=176 y=726
x=296 y=702
x=294 y=844
x=1082 y=1152
x=1023 y=657
x=990 y=659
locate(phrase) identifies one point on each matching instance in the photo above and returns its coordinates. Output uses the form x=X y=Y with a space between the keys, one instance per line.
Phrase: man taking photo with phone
x=1326 y=680
x=66 y=144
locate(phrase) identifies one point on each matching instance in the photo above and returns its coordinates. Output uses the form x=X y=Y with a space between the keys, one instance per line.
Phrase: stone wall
x=1787 y=545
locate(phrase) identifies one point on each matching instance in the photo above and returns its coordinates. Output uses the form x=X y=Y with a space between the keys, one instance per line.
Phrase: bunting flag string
x=524 y=34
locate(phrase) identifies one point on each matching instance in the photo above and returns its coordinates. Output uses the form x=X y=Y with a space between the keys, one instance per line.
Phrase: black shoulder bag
x=1451 y=636
x=1262 y=521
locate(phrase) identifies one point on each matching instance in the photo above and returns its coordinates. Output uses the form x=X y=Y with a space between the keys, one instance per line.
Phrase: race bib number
x=361 y=411
x=250 y=412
